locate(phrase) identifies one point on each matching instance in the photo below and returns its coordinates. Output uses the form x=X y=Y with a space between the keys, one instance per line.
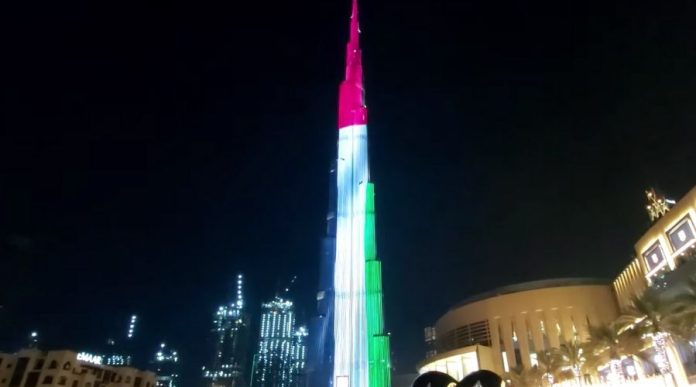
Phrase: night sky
x=150 y=150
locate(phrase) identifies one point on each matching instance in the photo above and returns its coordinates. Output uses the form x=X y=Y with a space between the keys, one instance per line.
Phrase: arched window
x=53 y=365
x=62 y=381
x=67 y=366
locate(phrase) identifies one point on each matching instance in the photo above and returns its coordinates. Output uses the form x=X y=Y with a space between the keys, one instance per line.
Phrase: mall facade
x=507 y=327
x=33 y=367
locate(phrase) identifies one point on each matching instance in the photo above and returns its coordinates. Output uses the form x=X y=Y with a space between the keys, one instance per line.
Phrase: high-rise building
x=120 y=352
x=167 y=366
x=353 y=328
x=116 y=356
x=281 y=353
x=280 y=359
x=229 y=335
x=298 y=353
x=320 y=358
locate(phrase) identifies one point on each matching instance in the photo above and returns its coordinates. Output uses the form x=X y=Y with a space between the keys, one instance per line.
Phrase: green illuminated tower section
x=377 y=339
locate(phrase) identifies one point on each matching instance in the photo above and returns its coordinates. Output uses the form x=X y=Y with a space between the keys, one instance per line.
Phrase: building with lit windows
x=664 y=251
x=33 y=367
x=509 y=326
x=229 y=336
x=167 y=366
x=665 y=262
x=282 y=350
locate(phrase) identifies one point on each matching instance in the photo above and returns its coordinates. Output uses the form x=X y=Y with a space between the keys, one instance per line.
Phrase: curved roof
x=532 y=285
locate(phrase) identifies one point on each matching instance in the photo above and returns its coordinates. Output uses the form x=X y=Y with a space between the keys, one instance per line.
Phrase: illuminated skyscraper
x=280 y=360
x=230 y=338
x=359 y=346
x=167 y=366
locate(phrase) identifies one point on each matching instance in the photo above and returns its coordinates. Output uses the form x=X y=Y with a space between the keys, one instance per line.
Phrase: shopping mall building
x=506 y=327
x=33 y=367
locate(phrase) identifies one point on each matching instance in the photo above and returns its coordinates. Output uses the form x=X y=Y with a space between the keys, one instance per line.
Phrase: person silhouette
x=480 y=378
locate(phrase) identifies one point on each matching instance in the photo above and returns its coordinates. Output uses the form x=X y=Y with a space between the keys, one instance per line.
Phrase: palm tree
x=572 y=354
x=551 y=365
x=591 y=359
x=650 y=313
x=655 y=317
x=612 y=342
x=685 y=326
x=605 y=339
x=684 y=310
x=520 y=376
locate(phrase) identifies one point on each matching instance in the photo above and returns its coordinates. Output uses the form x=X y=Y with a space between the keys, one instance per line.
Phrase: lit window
x=682 y=234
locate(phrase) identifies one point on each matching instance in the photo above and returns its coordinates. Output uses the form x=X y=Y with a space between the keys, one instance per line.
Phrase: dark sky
x=152 y=149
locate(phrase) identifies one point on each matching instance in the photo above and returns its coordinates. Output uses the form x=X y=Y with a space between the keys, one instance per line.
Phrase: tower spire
x=351 y=109
x=355 y=26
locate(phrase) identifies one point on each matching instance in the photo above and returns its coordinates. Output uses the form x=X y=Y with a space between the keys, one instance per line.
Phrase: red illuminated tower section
x=351 y=100
x=361 y=347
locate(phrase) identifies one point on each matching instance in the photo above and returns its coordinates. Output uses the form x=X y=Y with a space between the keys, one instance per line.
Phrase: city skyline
x=154 y=150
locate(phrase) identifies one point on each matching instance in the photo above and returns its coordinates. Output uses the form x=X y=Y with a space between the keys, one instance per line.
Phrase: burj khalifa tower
x=350 y=346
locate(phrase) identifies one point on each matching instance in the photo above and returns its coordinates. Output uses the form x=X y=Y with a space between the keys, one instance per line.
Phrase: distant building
x=32 y=367
x=230 y=335
x=167 y=367
x=281 y=356
x=116 y=356
x=120 y=352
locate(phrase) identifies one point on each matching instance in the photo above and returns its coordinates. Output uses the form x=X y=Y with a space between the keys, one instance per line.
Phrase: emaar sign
x=89 y=358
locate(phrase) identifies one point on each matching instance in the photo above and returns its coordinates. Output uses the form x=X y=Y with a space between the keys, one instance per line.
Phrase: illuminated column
x=361 y=347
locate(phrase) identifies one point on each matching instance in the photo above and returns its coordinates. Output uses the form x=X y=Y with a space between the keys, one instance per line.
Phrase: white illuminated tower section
x=361 y=348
